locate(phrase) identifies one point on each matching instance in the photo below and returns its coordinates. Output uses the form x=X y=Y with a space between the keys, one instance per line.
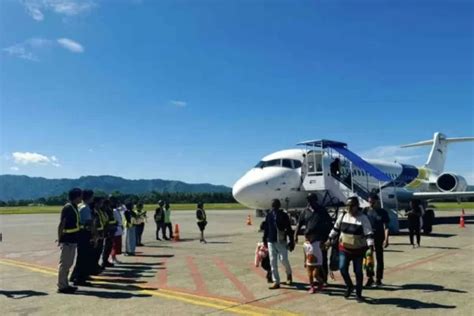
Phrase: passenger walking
x=68 y=229
x=159 y=219
x=318 y=224
x=167 y=222
x=414 y=224
x=140 y=227
x=201 y=220
x=117 y=240
x=379 y=221
x=312 y=263
x=82 y=267
x=130 y=234
x=278 y=238
x=354 y=234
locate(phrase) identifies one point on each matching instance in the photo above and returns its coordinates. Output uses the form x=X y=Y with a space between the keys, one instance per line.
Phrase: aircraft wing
x=442 y=195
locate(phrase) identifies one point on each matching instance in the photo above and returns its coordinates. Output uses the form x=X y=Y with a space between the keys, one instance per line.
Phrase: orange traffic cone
x=249 y=220
x=176 y=232
x=461 y=220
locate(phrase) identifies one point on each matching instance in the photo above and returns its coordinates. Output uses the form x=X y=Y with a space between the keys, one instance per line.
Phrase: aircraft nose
x=246 y=192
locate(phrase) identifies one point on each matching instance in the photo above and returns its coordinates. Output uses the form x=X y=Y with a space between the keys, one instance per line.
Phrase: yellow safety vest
x=77 y=227
x=102 y=220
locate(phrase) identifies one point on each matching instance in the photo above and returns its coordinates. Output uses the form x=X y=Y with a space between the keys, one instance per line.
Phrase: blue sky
x=199 y=91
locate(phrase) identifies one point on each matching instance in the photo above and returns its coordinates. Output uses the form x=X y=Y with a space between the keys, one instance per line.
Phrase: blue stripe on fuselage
x=408 y=174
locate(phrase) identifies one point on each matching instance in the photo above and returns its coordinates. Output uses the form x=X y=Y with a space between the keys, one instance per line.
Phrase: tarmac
x=219 y=278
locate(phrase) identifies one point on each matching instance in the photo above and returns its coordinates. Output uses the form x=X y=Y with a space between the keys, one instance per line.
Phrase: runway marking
x=215 y=303
x=196 y=275
x=239 y=285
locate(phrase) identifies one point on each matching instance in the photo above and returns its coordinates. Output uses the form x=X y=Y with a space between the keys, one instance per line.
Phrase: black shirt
x=70 y=217
x=317 y=224
x=277 y=220
x=378 y=218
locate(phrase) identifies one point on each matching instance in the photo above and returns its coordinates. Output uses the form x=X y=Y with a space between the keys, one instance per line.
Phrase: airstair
x=333 y=188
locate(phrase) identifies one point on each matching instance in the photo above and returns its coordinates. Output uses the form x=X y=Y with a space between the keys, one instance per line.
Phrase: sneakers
x=378 y=283
x=348 y=291
x=107 y=265
x=116 y=261
x=370 y=282
x=289 y=279
x=312 y=290
x=359 y=298
x=274 y=286
x=68 y=290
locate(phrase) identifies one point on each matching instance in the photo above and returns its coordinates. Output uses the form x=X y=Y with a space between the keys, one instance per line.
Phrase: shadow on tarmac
x=154 y=256
x=22 y=294
x=419 y=287
x=407 y=303
x=110 y=295
x=435 y=235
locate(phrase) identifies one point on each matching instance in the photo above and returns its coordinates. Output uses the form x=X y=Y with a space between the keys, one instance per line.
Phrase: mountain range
x=16 y=187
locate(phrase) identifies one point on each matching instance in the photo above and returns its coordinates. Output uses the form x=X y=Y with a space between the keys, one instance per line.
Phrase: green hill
x=14 y=187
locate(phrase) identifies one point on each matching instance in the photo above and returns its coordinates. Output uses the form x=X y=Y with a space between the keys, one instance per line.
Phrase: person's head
x=98 y=202
x=353 y=205
x=200 y=205
x=161 y=203
x=129 y=205
x=140 y=206
x=276 y=204
x=312 y=200
x=114 y=202
x=87 y=196
x=337 y=160
x=75 y=195
x=374 y=200
x=106 y=204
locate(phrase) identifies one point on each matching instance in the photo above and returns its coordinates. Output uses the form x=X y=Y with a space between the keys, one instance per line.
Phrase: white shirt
x=118 y=218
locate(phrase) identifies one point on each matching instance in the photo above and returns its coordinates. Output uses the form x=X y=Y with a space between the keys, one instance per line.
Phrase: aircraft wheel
x=428 y=221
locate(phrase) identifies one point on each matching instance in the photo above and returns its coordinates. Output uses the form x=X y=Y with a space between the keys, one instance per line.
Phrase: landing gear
x=428 y=221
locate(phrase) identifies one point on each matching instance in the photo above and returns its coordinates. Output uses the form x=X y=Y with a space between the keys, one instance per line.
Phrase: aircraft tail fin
x=439 y=149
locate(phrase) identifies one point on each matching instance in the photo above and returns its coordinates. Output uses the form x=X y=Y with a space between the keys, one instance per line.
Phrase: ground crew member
x=109 y=232
x=129 y=223
x=201 y=220
x=98 y=225
x=84 y=247
x=168 y=225
x=68 y=229
x=140 y=226
x=276 y=234
x=159 y=218
x=379 y=221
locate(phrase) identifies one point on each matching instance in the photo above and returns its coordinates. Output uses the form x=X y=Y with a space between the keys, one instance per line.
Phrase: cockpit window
x=285 y=163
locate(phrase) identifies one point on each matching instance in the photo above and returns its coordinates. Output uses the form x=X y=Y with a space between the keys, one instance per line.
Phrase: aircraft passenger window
x=287 y=163
x=297 y=164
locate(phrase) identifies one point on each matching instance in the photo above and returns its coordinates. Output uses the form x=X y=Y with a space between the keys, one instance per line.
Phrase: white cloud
x=33 y=47
x=392 y=153
x=28 y=158
x=178 y=104
x=35 y=8
x=14 y=169
x=28 y=49
x=70 y=45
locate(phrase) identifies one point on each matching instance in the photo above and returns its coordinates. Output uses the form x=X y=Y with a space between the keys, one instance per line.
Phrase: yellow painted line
x=215 y=303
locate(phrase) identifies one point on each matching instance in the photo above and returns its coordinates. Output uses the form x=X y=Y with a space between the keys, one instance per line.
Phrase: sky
x=201 y=90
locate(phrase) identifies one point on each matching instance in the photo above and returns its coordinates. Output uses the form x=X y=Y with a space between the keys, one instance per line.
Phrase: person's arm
x=289 y=230
x=265 y=231
x=368 y=233
x=298 y=226
x=386 y=221
x=61 y=226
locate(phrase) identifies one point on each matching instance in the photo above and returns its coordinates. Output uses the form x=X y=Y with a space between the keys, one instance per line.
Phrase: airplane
x=289 y=175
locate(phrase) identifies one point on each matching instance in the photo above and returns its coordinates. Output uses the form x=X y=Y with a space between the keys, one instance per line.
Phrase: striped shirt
x=357 y=227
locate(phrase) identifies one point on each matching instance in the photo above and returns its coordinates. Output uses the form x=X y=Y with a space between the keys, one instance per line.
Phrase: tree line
x=146 y=198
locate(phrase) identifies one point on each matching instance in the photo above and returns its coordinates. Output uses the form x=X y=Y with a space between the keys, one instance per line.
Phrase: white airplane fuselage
x=275 y=180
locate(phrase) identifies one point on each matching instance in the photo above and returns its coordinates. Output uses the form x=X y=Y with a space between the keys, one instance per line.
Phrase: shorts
x=202 y=225
x=117 y=245
x=317 y=253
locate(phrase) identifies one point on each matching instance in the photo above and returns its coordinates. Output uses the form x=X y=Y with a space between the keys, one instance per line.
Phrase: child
x=312 y=263
x=263 y=259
